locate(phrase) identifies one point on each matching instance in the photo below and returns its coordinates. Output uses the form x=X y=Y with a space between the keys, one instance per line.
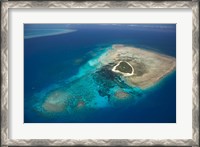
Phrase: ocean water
x=59 y=63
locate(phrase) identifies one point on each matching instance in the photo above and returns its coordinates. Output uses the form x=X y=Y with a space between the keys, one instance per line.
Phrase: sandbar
x=51 y=32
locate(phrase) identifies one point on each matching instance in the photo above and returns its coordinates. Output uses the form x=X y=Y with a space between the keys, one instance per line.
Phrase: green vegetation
x=124 y=67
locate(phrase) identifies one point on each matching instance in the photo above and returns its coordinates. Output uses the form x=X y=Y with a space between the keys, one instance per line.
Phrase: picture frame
x=6 y=6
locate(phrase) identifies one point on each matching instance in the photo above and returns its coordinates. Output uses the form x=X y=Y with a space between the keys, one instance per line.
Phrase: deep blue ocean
x=50 y=60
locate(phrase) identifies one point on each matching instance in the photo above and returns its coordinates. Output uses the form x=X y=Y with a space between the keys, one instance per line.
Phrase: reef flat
x=116 y=77
x=149 y=67
x=99 y=73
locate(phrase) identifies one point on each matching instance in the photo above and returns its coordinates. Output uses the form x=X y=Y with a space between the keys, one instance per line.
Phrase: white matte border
x=180 y=130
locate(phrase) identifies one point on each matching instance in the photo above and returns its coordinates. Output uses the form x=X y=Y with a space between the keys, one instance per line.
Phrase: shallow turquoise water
x=66 y=66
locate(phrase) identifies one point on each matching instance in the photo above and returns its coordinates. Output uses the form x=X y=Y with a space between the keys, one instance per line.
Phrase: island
x=124 y=68
x=138 y=67
x=116 y=75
